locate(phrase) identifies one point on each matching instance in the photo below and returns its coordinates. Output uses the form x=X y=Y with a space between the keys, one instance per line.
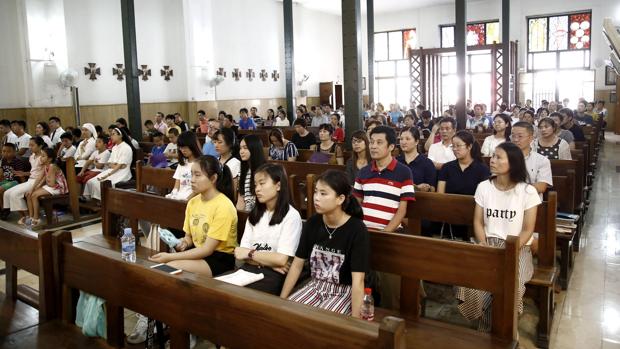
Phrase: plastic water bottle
x=28 y=223
x=368 y=306
x=128 y=246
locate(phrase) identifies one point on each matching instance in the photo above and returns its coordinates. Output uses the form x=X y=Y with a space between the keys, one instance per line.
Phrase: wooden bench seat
x=459 y=210
x=212 y=309
x=416 y=258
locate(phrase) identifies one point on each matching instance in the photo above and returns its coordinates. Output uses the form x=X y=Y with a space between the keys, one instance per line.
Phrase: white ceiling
x=381 y=6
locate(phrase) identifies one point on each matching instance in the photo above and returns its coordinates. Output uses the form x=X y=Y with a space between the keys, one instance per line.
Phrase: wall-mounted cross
x=92 y=70
x=119 y=71
x=220 y=72
x=263 y=74
x=145 y=72
x=167 y=73
x=275 y=75
x=250 y=74
x=236 y=74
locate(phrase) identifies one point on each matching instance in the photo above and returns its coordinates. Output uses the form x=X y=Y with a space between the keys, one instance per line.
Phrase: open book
x=241 y=278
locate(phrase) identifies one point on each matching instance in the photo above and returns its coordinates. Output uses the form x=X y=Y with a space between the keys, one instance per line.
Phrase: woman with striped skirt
x=505 y=205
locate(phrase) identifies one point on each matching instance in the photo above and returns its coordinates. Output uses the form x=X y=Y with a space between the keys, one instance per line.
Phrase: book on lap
x=241 y=278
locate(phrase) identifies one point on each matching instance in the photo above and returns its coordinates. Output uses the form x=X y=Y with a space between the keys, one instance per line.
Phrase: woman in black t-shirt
x=337 y=243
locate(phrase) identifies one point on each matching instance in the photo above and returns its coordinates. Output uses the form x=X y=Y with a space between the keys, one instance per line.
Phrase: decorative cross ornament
x=145 y=72
x=92 y=70
x=263 y=74
x=250 y=74
x=220 y=72
x=275 y=75
x=119 y=71
x=236 y=74
x=166 y=72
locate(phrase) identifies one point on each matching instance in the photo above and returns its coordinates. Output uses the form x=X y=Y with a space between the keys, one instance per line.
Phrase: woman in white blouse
x=41 y=130
x=505 y=205
x=502 y=128
x=281 y=120
x=119 y=165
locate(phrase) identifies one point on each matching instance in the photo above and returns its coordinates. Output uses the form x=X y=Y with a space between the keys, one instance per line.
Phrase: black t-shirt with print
x=304 y=142
x=333 y=260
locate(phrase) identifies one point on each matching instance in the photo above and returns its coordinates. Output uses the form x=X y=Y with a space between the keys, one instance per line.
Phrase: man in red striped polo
x=384 y=187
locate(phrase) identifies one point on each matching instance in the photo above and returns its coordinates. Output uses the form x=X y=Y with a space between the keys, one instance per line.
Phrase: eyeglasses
x=457 y=146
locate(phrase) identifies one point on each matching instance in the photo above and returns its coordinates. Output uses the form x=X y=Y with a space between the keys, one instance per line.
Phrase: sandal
x=22 y=221
x=35 y=222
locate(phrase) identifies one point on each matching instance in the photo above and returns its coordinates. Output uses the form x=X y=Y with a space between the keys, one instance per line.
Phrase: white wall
x=12 y=59
x=427 y=21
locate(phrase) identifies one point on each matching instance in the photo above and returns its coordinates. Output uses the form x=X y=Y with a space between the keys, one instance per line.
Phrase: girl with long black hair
x=272 y=231
x=337 y=243
x=252 y=157
x=210 y=223
x=189 y=151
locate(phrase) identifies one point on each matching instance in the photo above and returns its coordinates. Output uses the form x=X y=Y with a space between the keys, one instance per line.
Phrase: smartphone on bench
x=167 y=269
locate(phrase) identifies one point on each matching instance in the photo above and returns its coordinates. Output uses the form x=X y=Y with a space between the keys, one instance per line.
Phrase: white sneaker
x=192 y=341
x=138 y=335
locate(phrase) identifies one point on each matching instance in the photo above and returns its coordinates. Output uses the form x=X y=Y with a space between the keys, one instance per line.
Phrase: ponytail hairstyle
x=469 y=140
x=278 y=175
x=257 y=158
x=228 y=136
x=224 y=183
x=38 y=140
x=339 y=183
x=188 y=139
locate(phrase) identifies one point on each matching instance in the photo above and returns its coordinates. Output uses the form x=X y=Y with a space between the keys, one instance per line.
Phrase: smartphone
x=167 y=269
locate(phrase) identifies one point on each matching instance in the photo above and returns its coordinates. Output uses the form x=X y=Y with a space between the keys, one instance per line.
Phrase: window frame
x=587 y=54
x=387 y=32
x=453 y=25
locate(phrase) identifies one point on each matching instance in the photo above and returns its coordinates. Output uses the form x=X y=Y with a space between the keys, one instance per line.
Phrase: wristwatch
x=251 y=254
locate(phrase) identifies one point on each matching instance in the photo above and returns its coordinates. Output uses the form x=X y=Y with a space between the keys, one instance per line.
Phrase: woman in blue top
x=422 y=168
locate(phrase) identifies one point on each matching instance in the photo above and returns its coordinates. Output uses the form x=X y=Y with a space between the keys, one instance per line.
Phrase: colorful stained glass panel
x=476 y=34
x=580 y=31
x=410 y=39
x=537 y=34
x=558 y=33
x=493 y=33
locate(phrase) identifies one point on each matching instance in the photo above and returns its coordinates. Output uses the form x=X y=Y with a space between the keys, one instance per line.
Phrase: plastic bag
x=91 y=316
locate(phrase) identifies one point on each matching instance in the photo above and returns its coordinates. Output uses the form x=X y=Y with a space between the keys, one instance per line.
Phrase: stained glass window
x=476 y=34
x=537 y=34
x=558 y=33
x=580 y=30
x=493 y=33
x=447 y=36
x=410 y=40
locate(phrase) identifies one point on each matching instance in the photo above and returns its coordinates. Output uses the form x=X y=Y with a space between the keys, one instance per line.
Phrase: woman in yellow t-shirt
x=210 y=223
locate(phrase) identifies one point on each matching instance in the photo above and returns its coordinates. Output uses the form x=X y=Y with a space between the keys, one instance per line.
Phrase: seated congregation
x=323 y=226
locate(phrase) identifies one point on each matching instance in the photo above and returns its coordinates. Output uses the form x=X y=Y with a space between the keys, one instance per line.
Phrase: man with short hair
x=245 y=122
x=544 y=104
x=566 y=135
x=178 y=120
x=569 y=124
x=441 y=152
x=538 y=166
x=385 y=185
x=319 y=118
x=149 y=129
x=7 y=134
x=160 y=124
x=253 y=114
x=23 y=139
x=203 y=122
x=302 y=138
x=208 y=148
x=478 y=122
x=55 y=129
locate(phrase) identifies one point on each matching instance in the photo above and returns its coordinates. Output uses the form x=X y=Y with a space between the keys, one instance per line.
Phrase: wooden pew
x=565 y=168
x=459 y=210
x=562 y=186
x=160 y=178
x=211 y=309
x=30 y=251
x=417 y=258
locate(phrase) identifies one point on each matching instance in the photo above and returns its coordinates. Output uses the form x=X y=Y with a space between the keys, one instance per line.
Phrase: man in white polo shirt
x=441 y=152
x=55 y=129
x=538 y=166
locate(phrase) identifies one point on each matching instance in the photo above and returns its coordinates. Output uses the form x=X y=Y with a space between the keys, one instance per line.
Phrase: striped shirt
x=382 y=191
x=289 y=150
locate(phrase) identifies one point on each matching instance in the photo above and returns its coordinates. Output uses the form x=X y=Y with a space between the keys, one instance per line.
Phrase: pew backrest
x=210 y=308
x=160 y=178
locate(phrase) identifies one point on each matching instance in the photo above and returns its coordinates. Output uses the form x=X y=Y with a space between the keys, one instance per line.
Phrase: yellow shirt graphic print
x=216 y=218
